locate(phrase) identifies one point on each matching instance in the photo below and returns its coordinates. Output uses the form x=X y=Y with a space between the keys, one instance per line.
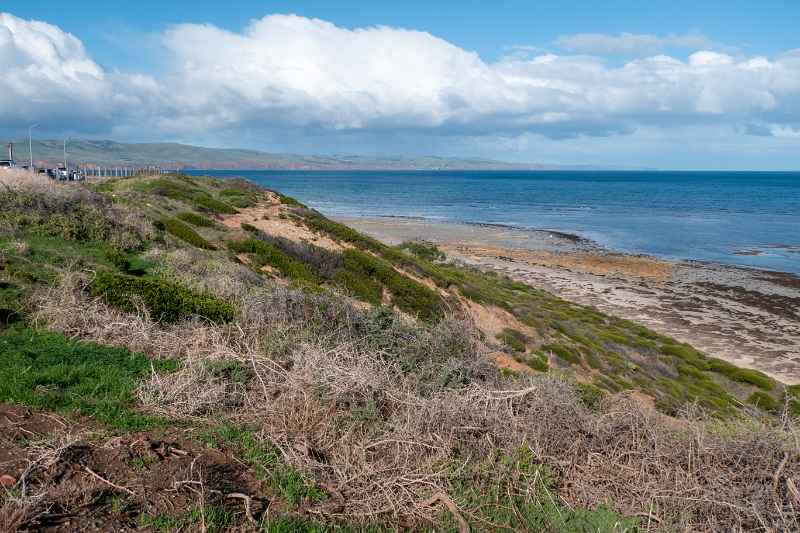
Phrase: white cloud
x=46 y=74
x=286 y=75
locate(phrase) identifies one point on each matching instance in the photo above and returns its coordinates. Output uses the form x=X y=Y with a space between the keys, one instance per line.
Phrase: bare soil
x=72 y=477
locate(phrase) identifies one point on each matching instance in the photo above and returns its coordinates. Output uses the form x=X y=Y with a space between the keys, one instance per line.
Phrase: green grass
x=196 y=220
x=49 y=371
x=216 y=518
x=175 y=227
x=167 y=301
x=267 y=254
x=515 y=493
x=267 y=463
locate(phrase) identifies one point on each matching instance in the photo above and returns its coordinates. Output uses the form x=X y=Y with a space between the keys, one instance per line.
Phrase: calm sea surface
x=742 y=218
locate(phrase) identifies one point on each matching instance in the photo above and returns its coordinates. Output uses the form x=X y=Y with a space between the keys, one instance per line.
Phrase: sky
x=673 y=85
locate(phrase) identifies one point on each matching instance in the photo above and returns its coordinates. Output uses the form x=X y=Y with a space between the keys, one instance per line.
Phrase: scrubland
x=174 y=357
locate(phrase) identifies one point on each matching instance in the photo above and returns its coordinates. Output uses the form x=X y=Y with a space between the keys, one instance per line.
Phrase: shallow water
x=742 y=218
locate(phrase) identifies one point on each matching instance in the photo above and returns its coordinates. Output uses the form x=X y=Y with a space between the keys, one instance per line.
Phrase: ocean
x=740 y=218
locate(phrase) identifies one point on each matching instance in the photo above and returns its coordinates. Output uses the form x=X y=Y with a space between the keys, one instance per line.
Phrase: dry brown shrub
x=377 y=409
x=13 y=178
x=192 y=391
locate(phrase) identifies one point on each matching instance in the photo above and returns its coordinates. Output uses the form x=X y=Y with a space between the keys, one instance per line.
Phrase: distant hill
x=175 y=155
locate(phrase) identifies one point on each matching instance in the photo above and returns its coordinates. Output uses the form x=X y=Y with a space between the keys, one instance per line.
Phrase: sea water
x=742 y=218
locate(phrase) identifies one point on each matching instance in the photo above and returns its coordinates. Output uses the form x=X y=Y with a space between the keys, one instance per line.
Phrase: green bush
x=175 y=227
x=687 y=353
x=359 y=286
x=563 y=352
x=184 y=189
x=591 y=396
x=267 y=254
x=196 y=220
x=424 y=250
x=513 y=339
x=205 y=202
x=166 y=301
x=288 y=200
x=49 y=371
x=407 y=294
x=538 y=362
x=764 y=401
x=239 y=198
x=742 y=375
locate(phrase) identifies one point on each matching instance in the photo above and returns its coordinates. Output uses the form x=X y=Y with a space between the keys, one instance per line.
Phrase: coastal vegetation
x=273 y=370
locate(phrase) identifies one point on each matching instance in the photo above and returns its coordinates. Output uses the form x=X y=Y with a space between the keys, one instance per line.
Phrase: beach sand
x=746 y=316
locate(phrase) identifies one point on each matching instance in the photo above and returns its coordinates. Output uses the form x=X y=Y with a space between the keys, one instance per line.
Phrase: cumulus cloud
x=293 y=74
x=632 y=44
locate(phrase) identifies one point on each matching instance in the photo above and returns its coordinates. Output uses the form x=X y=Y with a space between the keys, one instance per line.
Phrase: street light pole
x=30 y=145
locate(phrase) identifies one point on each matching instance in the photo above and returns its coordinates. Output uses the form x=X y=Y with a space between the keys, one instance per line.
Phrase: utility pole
x=65 y=153
x=30 y=145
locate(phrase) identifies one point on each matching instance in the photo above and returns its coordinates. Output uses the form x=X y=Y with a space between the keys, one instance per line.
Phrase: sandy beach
x=746 y=316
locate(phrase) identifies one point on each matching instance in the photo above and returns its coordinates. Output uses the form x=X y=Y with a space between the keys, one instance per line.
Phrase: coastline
x=744 y=315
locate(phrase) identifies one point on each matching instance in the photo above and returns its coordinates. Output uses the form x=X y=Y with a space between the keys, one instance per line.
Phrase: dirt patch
x=270 y=217
x=492 y=320
x=505 y=361
x=68 y=478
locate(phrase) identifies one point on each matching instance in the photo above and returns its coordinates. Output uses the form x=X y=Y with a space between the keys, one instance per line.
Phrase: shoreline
x=745 y=315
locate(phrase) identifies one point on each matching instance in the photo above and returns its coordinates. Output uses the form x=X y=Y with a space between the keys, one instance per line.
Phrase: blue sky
x=661 y=84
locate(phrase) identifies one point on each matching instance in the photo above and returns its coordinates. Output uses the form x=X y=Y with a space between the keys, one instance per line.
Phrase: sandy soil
x=746 y=316
x=267 y=217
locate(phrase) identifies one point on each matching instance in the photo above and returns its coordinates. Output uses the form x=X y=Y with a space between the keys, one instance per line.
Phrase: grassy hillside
x=175 y=155
x=272 y=370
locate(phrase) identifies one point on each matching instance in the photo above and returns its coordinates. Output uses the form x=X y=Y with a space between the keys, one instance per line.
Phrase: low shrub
x=742 y=375
x=424 y=250
x=590 y=395
x=196 y=220
x=239 y=198
x=166 y=301
x=175 y=227
x=687 y=353
x=514 y=339
x=407 y=294
x=288 y=200
x=359 y=286
x=267 y=254
x=324 y=262
x=764 y=401
x=538 y=362
x=184 y=189
x=205 y=202
x=563 y=352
